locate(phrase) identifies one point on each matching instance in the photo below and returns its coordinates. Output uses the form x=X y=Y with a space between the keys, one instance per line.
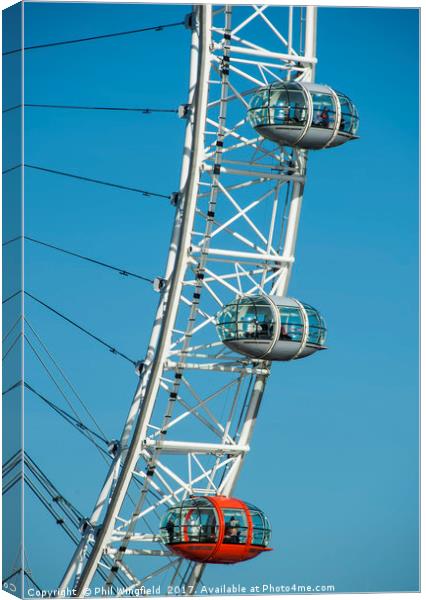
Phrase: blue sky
x=338 y=433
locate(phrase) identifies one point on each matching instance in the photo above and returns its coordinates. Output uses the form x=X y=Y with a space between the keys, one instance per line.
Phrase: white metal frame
x=235 y=232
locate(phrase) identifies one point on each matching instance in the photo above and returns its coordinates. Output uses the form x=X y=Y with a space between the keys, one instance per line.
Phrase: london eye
x=218 y=250
x=169 y=507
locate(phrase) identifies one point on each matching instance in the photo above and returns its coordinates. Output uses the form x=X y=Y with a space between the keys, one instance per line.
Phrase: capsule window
x=324 y=111
x=258 y=535
x=349 y=116
x=254 y=320
x=236 y=526
x=170 y=532
x=261 y=529
x=298 y=113
x=291 y=324
x=190 y=525
x=316 y=326
x=355 y=120
x=209 y=529
x=259 y=108
x=227 y=322
x=198 y=525
x=267 y=536
x=346 y=119
x=278 y=105
x=247 y=318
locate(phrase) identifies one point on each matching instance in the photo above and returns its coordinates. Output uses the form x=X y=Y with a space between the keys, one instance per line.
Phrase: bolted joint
x=189 y=21
x=184 y=110
x=175 y=198
x=150 y=470
x=218 y=453
x=224 y=65
x=139 y=367
x=159 y=284
x=85 y=525
x=114 y=448
x=291 y=167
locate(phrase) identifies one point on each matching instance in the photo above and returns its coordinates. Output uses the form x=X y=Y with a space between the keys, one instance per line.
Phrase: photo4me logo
x=264 y=588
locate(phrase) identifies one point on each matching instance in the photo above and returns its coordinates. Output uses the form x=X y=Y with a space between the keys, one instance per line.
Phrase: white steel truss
x=235 y=232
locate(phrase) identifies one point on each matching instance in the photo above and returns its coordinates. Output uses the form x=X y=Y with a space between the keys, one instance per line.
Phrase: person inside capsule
x=170 y=528
x=236 y=527
x=255 y=321
x=193 y=529
x=232 y=532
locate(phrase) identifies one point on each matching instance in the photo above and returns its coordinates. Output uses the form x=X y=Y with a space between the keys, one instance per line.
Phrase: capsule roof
x=303 y=115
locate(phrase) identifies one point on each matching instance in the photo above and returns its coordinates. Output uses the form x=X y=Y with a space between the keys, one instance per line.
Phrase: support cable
x=81 y=427
x=83 y=329
x=13 y=344
x=7 y=465
x=12 y=387
x=33 y=582
x=70 y=385
x=123 y=272
x=50 y=509
x=5 y=110
x=13 y=574
x=96 y=37
x=69 y=510
x=27 y=574
x=11 y=329
x=88 y=434
x=6 y=487
x=138 y=109
x=75 y=421
x=16 y=572
x=244 y=404
x=18 y=237
x=90 y=180
x=77 y=417
x=244 y=407
x=11 y=169
x=11 y=296
x=66 y=507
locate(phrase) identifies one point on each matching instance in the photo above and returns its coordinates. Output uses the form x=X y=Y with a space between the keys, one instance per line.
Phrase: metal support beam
x=196 y=447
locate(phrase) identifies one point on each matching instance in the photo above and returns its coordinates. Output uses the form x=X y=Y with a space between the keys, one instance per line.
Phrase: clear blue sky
x=335 y=453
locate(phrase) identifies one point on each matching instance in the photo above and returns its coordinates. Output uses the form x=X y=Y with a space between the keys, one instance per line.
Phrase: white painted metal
x=179 y=447
x=246 y=193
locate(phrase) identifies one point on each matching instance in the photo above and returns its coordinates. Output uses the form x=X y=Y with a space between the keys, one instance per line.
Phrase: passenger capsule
x=303 y=115
x=271 y=327
x=215 y=529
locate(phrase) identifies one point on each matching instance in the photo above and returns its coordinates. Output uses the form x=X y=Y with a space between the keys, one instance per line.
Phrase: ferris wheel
x=168 y=505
